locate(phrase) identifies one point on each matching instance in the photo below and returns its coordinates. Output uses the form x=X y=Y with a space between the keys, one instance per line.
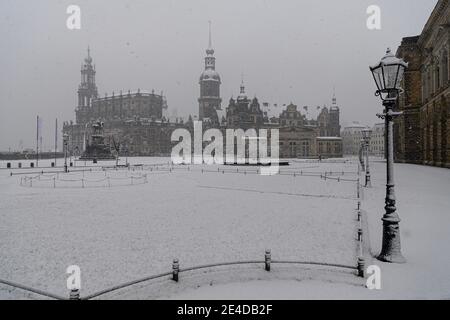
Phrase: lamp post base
x=391 y=248
x=392 y=258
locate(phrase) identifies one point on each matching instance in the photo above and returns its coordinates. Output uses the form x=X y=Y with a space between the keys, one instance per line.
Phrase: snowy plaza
x=119 y=225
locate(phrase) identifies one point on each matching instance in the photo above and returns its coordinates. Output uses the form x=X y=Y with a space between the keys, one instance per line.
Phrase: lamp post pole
x=65 y=152
x=391 y=247
x=368 y=183
x=388 y=75
x=367 y=133
x=361 y=154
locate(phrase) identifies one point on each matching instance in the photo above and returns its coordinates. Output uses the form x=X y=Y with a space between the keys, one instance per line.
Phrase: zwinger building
x=422 y=132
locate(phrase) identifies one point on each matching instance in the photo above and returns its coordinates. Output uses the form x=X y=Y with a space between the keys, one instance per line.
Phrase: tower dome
x=210 y=75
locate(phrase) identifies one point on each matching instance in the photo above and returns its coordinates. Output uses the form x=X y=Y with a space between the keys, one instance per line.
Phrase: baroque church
x=134 y=124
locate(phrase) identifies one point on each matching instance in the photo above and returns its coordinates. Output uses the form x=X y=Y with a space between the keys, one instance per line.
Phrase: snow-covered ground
x=125 y=232
x=423 y=203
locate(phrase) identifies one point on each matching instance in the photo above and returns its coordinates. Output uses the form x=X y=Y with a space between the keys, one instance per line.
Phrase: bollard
x=32 y=165
x=360 y=267
x=359 y=215
x=8 y=165
x=360 y=234
x=268 y=259
x=53 y=165
x=175 y=270
x=359 y=205
x=74 y=294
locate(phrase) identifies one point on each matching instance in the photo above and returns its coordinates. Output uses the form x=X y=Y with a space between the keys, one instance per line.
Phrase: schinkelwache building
x=133 y=123
x=422 y=132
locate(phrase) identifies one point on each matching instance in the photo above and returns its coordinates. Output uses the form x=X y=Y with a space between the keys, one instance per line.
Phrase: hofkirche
x=135 y=119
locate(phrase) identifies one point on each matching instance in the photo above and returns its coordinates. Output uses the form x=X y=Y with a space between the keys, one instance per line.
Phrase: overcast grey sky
x=288 y=50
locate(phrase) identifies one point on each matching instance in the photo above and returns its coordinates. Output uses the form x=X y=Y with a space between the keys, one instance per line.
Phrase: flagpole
x=56 y=138
x=37 y=141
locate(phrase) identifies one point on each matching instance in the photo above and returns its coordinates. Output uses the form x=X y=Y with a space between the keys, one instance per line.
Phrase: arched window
x=436 y=75
x=424 y=85
x=444 y=67
x=429 y=82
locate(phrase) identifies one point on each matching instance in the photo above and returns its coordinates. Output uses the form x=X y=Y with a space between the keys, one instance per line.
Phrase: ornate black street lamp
x=388 y=74
x=361 y=154
x=367 y=134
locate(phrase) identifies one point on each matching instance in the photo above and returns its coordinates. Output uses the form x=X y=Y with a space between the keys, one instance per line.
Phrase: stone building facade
x=244 y=113
x=377 y=141
x=351 y=139
x=422 y=132
x=133 y=123
x=328 y=121
x=133 y=120
x=329 y=147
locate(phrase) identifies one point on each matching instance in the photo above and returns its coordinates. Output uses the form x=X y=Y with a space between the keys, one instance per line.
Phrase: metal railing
x=176 y=270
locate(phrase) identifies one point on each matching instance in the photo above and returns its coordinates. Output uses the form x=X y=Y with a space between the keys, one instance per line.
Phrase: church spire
x=88 y=59
x=210 y=50
x=242 y=94
x=334 y=96
x=210 y=61
x=210 y=40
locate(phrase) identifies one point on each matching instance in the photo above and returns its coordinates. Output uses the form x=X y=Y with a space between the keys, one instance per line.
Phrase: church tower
x=209 y=101
x=87 y=90
x=334 y=129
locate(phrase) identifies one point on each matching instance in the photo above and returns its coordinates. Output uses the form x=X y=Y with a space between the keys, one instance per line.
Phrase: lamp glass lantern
x=367 y=134
x=388 y=74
